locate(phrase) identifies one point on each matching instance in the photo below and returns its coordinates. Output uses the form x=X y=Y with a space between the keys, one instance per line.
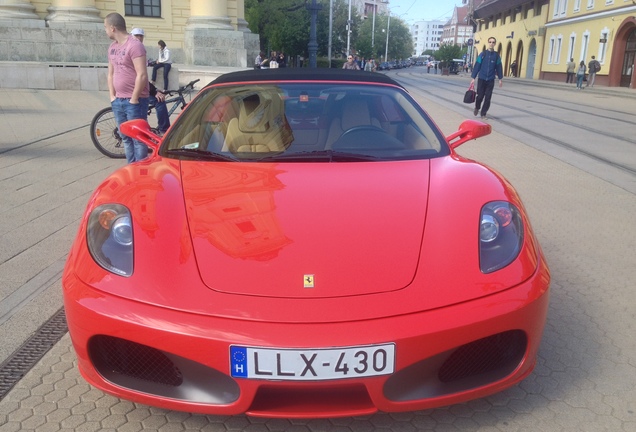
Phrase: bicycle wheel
x=105 y=134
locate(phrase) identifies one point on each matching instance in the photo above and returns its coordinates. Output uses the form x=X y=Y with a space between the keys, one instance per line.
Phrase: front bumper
x=178 y=360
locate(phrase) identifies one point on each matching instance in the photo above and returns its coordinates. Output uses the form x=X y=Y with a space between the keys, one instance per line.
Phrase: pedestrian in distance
x=580 y=75
x=258 y=61
x=487 y=67
x=571 y=68
x=282 y=60
x=350 y=63
x=592 y=68
x=128 y=86
x=156 y=98
x=513 y=68
x=163 y=61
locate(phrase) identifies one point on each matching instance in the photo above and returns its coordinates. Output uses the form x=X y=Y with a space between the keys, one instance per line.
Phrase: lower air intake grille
x=503 y=350
x=120 y=356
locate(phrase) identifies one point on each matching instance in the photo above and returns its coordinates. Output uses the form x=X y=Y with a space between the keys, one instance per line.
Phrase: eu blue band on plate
x=238 y=361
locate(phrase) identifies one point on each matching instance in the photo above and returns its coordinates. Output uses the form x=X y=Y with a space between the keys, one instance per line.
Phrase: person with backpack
x=592 y=68
x=487 y=67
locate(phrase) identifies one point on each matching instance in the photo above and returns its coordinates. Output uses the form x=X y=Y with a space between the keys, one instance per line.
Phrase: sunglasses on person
x=349 y=58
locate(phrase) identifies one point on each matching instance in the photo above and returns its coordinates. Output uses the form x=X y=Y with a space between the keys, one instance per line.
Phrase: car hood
x=305 y=230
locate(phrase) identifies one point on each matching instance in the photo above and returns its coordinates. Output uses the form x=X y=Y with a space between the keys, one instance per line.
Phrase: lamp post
x=312 y=47
x=373 y=27
x=349 y=30
x=330 y=30
x=386 y=47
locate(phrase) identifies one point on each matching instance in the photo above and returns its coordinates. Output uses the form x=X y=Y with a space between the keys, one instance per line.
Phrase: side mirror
x=140 y=130
x=468 y=130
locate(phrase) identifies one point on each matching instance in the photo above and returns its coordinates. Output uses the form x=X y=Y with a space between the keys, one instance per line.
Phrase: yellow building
x=543 y=35
x=580 y=29
x=519 y=27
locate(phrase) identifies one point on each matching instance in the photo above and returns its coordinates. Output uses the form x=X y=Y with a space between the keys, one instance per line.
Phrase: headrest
x=355 y=113
x=260 y=111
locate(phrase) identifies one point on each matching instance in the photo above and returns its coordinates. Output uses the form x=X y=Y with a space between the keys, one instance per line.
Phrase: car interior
x=252 y=122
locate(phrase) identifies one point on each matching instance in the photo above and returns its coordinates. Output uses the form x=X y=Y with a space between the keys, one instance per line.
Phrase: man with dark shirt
x=487 y=67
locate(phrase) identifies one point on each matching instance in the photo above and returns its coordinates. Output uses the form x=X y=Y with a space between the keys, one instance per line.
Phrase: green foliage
x=284 y=25
x=446 y=53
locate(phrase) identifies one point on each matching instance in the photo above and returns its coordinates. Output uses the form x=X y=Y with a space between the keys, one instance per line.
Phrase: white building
x=427 y=35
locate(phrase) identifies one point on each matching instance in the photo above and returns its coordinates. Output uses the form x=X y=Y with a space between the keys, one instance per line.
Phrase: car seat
x=261 y=125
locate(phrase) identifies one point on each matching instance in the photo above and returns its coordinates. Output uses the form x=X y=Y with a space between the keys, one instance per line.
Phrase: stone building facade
x=210 y=33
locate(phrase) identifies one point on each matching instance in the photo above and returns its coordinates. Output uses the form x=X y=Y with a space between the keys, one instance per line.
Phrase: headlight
x=110 y=238
x=500 y=235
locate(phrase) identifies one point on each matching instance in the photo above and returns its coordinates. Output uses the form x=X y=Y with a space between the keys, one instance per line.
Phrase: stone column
x=241 y=24
x=209 y=15
x=211 y=39
x=10 y=9
x=74 y=11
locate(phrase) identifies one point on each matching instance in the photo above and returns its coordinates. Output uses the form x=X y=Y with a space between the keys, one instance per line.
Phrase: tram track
x=594 y=131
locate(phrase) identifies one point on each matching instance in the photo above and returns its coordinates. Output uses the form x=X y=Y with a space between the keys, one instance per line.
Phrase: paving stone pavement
x=585 y=378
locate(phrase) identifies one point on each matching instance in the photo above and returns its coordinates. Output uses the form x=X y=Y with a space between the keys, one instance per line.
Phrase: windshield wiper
x=313 y=156
x=201 y=154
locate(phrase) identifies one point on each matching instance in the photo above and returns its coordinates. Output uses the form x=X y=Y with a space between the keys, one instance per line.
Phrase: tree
x=283 y=25
x=400 y=42
x=446 y=53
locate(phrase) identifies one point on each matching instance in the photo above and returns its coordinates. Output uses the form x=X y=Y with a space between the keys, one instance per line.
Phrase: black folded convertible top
x=304 y=74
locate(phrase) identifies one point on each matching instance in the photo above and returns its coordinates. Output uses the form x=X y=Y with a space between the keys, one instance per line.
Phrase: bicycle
x=105 y=134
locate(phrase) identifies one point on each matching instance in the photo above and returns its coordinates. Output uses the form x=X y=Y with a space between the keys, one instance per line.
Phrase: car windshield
x=300 y=121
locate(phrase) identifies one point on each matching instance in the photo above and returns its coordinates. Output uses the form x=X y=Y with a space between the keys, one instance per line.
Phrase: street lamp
x=349 y=30
x=388 y=24
x=330 y=31
x=386 y=47
x=373 y=27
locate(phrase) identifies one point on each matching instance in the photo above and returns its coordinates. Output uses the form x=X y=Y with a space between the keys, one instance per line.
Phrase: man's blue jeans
x=163 y=118
x=123 y=111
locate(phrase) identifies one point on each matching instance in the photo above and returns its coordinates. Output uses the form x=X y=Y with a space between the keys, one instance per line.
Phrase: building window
x=564 y=7
x=590 y=4
x=585 y=45
x=577 y=5
x=551 y=51
x=557 y=51
x=571 y=47
x=144 y=8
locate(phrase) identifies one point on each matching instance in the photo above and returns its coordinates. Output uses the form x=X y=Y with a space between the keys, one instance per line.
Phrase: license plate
x=312 y=364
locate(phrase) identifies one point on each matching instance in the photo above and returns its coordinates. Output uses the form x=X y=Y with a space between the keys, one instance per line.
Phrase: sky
x=423 y=10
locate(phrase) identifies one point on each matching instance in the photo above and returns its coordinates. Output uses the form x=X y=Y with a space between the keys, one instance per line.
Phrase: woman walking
x=580 y=74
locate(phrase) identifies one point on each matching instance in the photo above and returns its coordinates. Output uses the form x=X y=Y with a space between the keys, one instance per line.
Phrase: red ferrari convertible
x=305 y=243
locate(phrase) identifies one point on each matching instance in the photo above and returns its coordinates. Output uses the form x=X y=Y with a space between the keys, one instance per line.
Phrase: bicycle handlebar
x=182 y=88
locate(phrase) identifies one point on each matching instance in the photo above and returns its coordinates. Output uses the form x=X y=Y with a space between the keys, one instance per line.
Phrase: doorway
x=627 y=68
x=532 y=54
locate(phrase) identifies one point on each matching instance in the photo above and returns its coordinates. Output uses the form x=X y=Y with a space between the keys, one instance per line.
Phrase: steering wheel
x=363 y=128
